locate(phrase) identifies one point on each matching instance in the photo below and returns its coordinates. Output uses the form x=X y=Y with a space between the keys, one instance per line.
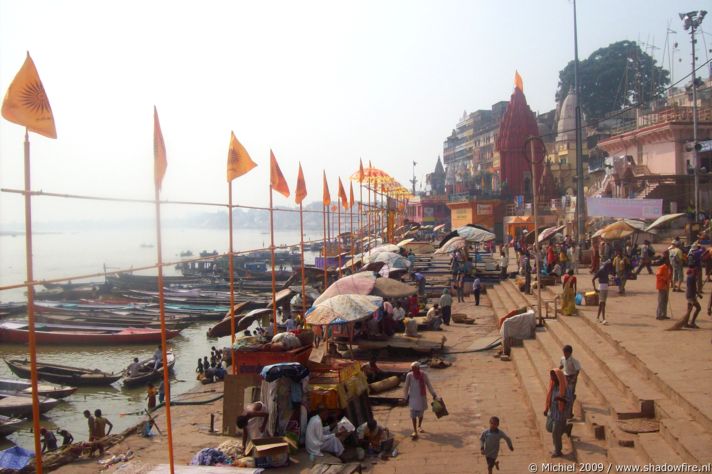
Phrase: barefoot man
x=414 y=392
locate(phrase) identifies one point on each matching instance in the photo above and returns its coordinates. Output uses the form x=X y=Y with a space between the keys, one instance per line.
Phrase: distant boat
x=54 y=391
x=63 y=374
x=9 y=425
x=17 y=332
x=147 y=374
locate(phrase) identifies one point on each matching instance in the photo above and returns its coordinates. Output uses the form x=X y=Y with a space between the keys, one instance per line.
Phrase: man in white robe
x=319 y=438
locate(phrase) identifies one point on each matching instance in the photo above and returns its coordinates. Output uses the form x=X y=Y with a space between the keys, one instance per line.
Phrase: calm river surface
x=66 y=254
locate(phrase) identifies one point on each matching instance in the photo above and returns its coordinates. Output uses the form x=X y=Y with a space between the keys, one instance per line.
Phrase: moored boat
x=9 y=425
x=63 y=374
x=17 y=332
x=147 y=373
x=44 y=390
x=20 y=404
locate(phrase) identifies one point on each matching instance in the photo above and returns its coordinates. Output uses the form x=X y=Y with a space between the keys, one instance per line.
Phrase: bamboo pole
x=271 y=249
x=304 y=283
x=32 y=342
x=231 y=269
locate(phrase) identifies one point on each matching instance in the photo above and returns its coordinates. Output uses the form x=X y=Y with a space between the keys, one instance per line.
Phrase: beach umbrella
x=390 y=288
x=385 y=248
x=393 y=260
x=550 y=232
x=618 y=230
x=451 y=245
x=342 y=309
x=447 y=237
x=475 y=234
x=438 y=228
x=404 y=242
x=663 y=220
x=357 y=284
x=255 y=315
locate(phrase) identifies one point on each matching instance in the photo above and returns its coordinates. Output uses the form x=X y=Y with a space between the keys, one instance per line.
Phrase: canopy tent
x=343 y=309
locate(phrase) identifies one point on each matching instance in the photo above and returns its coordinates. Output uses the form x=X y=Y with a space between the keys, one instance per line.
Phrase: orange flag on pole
x=326 y=196
x=26 y=103
x=301 y=191
x=351 y=194
x=276 y=178
x=518 y=83
x=361 y=174
x=238 y=160
x=342 y=195
x=160 y=161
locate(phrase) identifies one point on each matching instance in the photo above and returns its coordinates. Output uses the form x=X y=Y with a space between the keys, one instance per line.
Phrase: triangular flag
x=342 y=195
x=276 y=178
x=326 y=196
x=27 y=104
x=351 y=194
x=361 y=174
x=518 y=83
x=301 y=191
x=238 y=160
x=160 y=161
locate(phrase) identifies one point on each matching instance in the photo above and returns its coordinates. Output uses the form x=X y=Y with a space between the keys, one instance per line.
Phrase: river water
x=65 y=254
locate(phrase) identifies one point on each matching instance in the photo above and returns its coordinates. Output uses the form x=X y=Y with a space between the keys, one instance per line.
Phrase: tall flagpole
x=31 y=308
x=162 y=309
x=351 y=224
x=338 y=234
x=304 y=283
x=231 y=269
x=368 y=215
x=323 y=218
x=360 y=213
x=271 y=249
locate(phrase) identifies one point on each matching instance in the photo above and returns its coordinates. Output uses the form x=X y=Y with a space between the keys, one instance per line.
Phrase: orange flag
x=238 y=160
x=301 y=191
x=27 y=104
x=276 y=178
x=361 y=174
x=518 y=83
x=326 y=196
x=342 y=195
x=160 y=161
x=351 y=194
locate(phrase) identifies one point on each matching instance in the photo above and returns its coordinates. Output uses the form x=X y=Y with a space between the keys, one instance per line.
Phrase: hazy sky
x=322 y=82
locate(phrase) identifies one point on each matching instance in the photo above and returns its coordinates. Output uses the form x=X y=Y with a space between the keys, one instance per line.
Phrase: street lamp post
x=691 y=21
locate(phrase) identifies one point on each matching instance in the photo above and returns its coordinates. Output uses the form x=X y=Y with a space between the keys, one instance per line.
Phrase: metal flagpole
x=323 y=218
x=360 y=213
x=32 y=342
x=231 y=269
x=368 y=215
x=162 y=309
x=351 y=223
x=304 y=283
x=271 y=249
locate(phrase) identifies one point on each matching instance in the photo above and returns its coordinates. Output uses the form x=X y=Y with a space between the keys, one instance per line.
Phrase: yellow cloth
x=26 y=102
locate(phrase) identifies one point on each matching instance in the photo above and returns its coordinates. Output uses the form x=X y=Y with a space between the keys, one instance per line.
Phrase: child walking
x=489 y=443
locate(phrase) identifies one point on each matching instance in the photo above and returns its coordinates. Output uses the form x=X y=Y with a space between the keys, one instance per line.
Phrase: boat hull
x=144 y=378
x=63 y=375
x=84 y=336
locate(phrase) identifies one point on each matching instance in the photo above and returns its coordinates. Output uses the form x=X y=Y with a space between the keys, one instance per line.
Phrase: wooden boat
x=63 y=374
x=147 y=374
x=9 y=309
x=111 y=320
x=17 y=333
x=44 y=390
x=20 y=404
x=9 y=425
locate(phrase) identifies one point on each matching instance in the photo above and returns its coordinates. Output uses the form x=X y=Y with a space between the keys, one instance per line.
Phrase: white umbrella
x=474 y=234
x=393 y=260
x=456 y=243
x=404 y=242
x=663 y=219
x=342 y=309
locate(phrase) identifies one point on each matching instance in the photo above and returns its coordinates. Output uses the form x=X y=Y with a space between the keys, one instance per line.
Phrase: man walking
x=646 y=255
x=476 y=290
x=602 y=275
x=663 y=277
x=558 y=406
x=414 y=393
x=675 y=260
x=446 y=305
x=621 y=265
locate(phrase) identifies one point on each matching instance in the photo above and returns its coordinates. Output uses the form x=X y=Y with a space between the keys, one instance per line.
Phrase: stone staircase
x=617 y=395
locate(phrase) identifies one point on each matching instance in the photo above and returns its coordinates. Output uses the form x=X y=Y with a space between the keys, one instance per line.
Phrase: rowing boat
x=9 y=425
x=147 y=373
x=63 y=374
x=20 y=404
x=44 y=390
x=17 y=332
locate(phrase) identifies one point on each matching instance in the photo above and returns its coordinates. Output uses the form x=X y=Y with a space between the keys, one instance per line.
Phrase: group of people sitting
x=392 y=317
x=210 y=371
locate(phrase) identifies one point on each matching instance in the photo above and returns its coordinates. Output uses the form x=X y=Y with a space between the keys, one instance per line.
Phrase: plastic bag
x=439 y=408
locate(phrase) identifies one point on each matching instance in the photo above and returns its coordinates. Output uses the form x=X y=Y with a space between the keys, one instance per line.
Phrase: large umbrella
x=550 y=232
x=254 y=315
x=451 y=245
x=438 y=228
x=663 y=219
x=475 y=234
x=390 y=288
x=384 y=248
x=357 y=284
x=393 y=260
x=618 y=230
x=404 y=242
x=342 y=309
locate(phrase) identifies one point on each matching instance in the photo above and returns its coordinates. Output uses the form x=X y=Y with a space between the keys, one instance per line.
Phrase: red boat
x=17 y=332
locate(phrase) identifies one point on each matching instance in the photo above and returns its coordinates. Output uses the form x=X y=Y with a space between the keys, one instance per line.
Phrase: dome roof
x=566 y=127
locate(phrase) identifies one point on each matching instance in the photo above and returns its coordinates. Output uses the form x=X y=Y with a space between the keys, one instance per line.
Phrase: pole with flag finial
x=351 y=221
x=160 y=164
x=279 y=184
x=238 y=163
x=299 y=195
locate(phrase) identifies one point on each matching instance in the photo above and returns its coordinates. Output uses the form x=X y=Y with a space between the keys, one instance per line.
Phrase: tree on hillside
x=614 y=77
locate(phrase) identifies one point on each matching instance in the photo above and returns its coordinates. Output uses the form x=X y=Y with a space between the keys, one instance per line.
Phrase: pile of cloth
x=210 y=457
